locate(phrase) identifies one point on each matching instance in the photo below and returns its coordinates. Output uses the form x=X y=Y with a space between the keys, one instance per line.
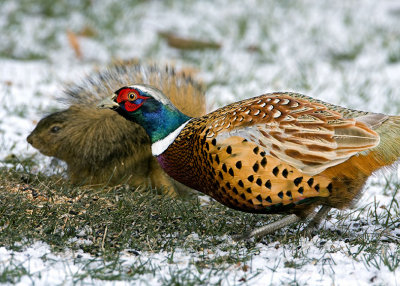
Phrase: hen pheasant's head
x=147 y=106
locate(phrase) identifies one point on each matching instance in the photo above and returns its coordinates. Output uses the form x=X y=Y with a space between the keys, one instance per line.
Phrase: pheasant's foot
x=316 y=221
x=270 y=228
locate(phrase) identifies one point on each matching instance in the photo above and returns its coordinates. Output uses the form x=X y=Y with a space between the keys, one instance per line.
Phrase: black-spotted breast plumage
x=275 y=153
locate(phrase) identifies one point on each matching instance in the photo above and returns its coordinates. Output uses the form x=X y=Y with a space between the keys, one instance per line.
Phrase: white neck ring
x=158 y=147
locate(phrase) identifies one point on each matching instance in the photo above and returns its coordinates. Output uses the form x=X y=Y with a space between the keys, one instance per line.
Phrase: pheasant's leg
x=270 y=228
x=316 y=220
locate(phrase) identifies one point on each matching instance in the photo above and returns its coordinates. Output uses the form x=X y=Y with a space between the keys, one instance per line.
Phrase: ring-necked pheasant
x=275 y=153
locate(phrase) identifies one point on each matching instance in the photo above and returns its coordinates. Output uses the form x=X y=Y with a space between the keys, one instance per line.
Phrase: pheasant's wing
x=306 y=135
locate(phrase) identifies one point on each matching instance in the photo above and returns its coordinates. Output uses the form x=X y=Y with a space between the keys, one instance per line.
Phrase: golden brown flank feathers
x=101 y=147
x=282 y=153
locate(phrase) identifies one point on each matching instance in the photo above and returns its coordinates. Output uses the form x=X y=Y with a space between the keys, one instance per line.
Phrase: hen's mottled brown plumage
x=277 y=153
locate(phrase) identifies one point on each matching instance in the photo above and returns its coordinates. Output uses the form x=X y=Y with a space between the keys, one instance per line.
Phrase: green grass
x=114 y=218
x=35 y=207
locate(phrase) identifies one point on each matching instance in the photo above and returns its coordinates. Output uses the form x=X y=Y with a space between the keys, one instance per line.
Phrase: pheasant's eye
x=130 y=99
x=132 y=96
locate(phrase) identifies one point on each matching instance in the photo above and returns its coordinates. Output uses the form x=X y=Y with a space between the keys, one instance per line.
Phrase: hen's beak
x=108 y=103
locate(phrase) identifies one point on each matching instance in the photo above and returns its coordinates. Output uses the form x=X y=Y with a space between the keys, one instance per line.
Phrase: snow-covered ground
x=331 y=264
x=344 y=52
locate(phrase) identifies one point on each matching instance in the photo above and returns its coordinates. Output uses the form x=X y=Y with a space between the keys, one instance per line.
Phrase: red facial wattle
x=130 y=99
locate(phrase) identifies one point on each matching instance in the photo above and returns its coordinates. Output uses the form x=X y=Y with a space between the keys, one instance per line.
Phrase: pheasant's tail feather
x=388 y=151
x=351 y=175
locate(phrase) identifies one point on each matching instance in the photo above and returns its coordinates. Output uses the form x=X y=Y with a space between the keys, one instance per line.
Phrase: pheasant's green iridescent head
x=150 y=108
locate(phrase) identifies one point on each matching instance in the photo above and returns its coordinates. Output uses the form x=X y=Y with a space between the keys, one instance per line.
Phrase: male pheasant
x=276 y=153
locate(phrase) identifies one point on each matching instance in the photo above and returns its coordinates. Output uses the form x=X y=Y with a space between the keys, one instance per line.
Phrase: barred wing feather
x=307 y=135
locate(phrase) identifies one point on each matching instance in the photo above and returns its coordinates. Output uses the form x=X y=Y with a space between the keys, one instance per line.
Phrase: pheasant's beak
x=108 y=103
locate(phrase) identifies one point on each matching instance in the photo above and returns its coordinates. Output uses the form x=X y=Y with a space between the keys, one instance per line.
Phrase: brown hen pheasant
x=275 y=153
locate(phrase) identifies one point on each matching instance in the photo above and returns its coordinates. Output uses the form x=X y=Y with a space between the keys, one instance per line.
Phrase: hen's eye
x=132 y=96
x=55 y=129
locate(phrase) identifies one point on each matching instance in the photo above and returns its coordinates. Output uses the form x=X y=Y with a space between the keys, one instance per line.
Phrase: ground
x=344 y=52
